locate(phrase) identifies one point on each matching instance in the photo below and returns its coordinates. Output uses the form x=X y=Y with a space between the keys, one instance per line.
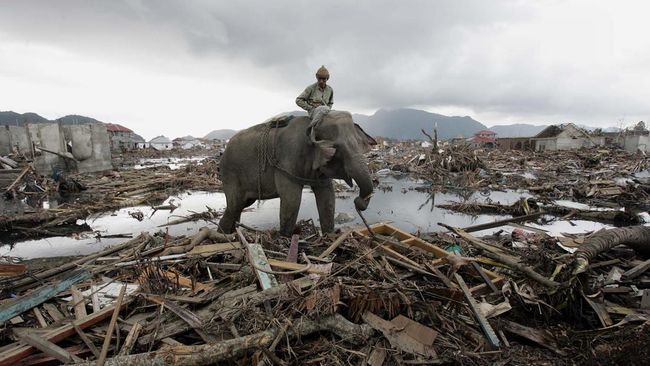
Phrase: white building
x=187 y=142
x=563 y=137
x=161 y=143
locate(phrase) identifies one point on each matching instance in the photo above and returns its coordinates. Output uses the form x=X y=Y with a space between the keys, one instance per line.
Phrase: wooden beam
x=39 y=296
x=130 y=339
x=637 y=270
x=491 y=225
x=335 y=244
x=482 y=321
x=79 y=303
x=39 y=317
x=258 y=260
x=47 y=347
x=84 y=337
x=111 y=327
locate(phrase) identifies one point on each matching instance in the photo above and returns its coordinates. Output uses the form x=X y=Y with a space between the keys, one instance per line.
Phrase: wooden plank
x=40 y=295
x=54 y=312
x=84 y=337
x=411 y=240
x=10 y=269
x=484 y=277
x=415 y=330
x=315 y=268
x=79 y=303
x=637 y=270
x=492 y=338
x=39 y=317
x=189 y=317
x=211 y=249
x=398 y=337
x=504 y=222
x=541 y=337
x=645 y=299
x=257 y=259
x=130 y=339
x=335 y=244
x=47 y=347
x=111 y=327
x=181 y=280
x=27 y=168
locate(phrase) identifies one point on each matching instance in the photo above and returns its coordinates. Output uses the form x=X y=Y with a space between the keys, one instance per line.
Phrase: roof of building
x=485 y=132
x=114 y=127
x=137 y=138
x=160 y=140
x=555 y=130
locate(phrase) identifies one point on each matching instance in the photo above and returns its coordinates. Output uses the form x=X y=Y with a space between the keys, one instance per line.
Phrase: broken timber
x=37 y=297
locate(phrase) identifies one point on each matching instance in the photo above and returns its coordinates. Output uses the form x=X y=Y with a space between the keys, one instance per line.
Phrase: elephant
x=278 y=158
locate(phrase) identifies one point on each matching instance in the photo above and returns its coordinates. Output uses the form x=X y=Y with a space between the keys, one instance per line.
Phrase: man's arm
x=303 y=99
x=331 y=101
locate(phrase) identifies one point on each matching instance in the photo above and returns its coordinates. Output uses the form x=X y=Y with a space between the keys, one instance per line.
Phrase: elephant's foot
x=227 y=225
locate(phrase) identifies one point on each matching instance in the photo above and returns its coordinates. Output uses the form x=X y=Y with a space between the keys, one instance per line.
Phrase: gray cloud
x=505 y=58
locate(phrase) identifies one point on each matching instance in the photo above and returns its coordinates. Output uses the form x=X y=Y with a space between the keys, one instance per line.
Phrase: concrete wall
x=88 y=143
x=49 y=136
x=632 y=143
x=545 y=144
x=5 y=140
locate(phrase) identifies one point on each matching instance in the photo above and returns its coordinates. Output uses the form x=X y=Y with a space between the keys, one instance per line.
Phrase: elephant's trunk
x=357 y=169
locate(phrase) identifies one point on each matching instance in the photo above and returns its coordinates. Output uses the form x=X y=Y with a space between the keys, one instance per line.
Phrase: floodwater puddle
x=407 y=205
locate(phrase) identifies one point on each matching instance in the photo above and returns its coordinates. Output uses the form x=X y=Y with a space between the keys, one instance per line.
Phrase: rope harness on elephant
x=267 y=157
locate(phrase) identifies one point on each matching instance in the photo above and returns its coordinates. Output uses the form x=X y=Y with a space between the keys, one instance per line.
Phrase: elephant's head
x=340 y=145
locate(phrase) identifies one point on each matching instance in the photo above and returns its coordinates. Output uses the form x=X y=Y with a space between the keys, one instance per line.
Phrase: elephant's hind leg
x=235 y=203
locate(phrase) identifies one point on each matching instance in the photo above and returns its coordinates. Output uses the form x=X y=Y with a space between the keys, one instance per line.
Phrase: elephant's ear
x=324 y=150
x=365 y=140
x=323 y=153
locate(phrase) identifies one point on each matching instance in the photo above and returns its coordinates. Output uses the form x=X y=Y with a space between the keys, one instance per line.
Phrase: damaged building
x=57 y=147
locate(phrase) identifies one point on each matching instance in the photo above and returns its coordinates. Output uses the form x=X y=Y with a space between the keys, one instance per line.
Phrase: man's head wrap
x=322 y=73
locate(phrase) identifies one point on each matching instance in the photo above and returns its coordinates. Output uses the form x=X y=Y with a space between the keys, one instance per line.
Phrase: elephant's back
x=243 y=148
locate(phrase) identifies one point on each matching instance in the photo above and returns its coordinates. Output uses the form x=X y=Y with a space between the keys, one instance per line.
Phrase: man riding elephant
x=317 y=99
x=317 y=94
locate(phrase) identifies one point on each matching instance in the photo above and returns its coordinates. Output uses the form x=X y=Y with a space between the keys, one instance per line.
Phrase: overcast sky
x=188 y=67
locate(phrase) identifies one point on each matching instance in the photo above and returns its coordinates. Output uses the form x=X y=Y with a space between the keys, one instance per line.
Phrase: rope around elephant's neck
x=266 y=157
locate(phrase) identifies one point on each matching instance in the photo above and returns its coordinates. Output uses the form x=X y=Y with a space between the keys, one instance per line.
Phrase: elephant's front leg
x=325 y=202
x=290 y=194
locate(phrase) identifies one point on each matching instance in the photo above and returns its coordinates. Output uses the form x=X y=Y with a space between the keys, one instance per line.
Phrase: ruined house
x=161 y=143
x=123 y=138
x=514 y=143
x=563 y=137
x=187 y=142
x=59 y=147
x=484 y=138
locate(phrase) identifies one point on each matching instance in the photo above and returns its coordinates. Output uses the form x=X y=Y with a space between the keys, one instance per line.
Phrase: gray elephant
x=278 y=158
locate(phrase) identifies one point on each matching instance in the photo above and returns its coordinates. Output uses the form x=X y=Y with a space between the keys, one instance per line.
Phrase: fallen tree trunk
x=635 y=237
x=208 y=354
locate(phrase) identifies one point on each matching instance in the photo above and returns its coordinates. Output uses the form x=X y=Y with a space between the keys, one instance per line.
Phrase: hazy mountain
x=76 y=119
x=406 y=124
x=17 y=119
x=220 y=134
x=517 y=130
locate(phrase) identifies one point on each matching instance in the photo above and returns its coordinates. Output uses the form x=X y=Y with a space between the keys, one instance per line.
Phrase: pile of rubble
x=375 y=296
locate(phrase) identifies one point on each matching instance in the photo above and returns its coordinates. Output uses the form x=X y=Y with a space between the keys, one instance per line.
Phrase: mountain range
x=401 y=124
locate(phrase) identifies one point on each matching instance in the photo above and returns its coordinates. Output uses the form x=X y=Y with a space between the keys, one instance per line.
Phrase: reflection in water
x=403 y=206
